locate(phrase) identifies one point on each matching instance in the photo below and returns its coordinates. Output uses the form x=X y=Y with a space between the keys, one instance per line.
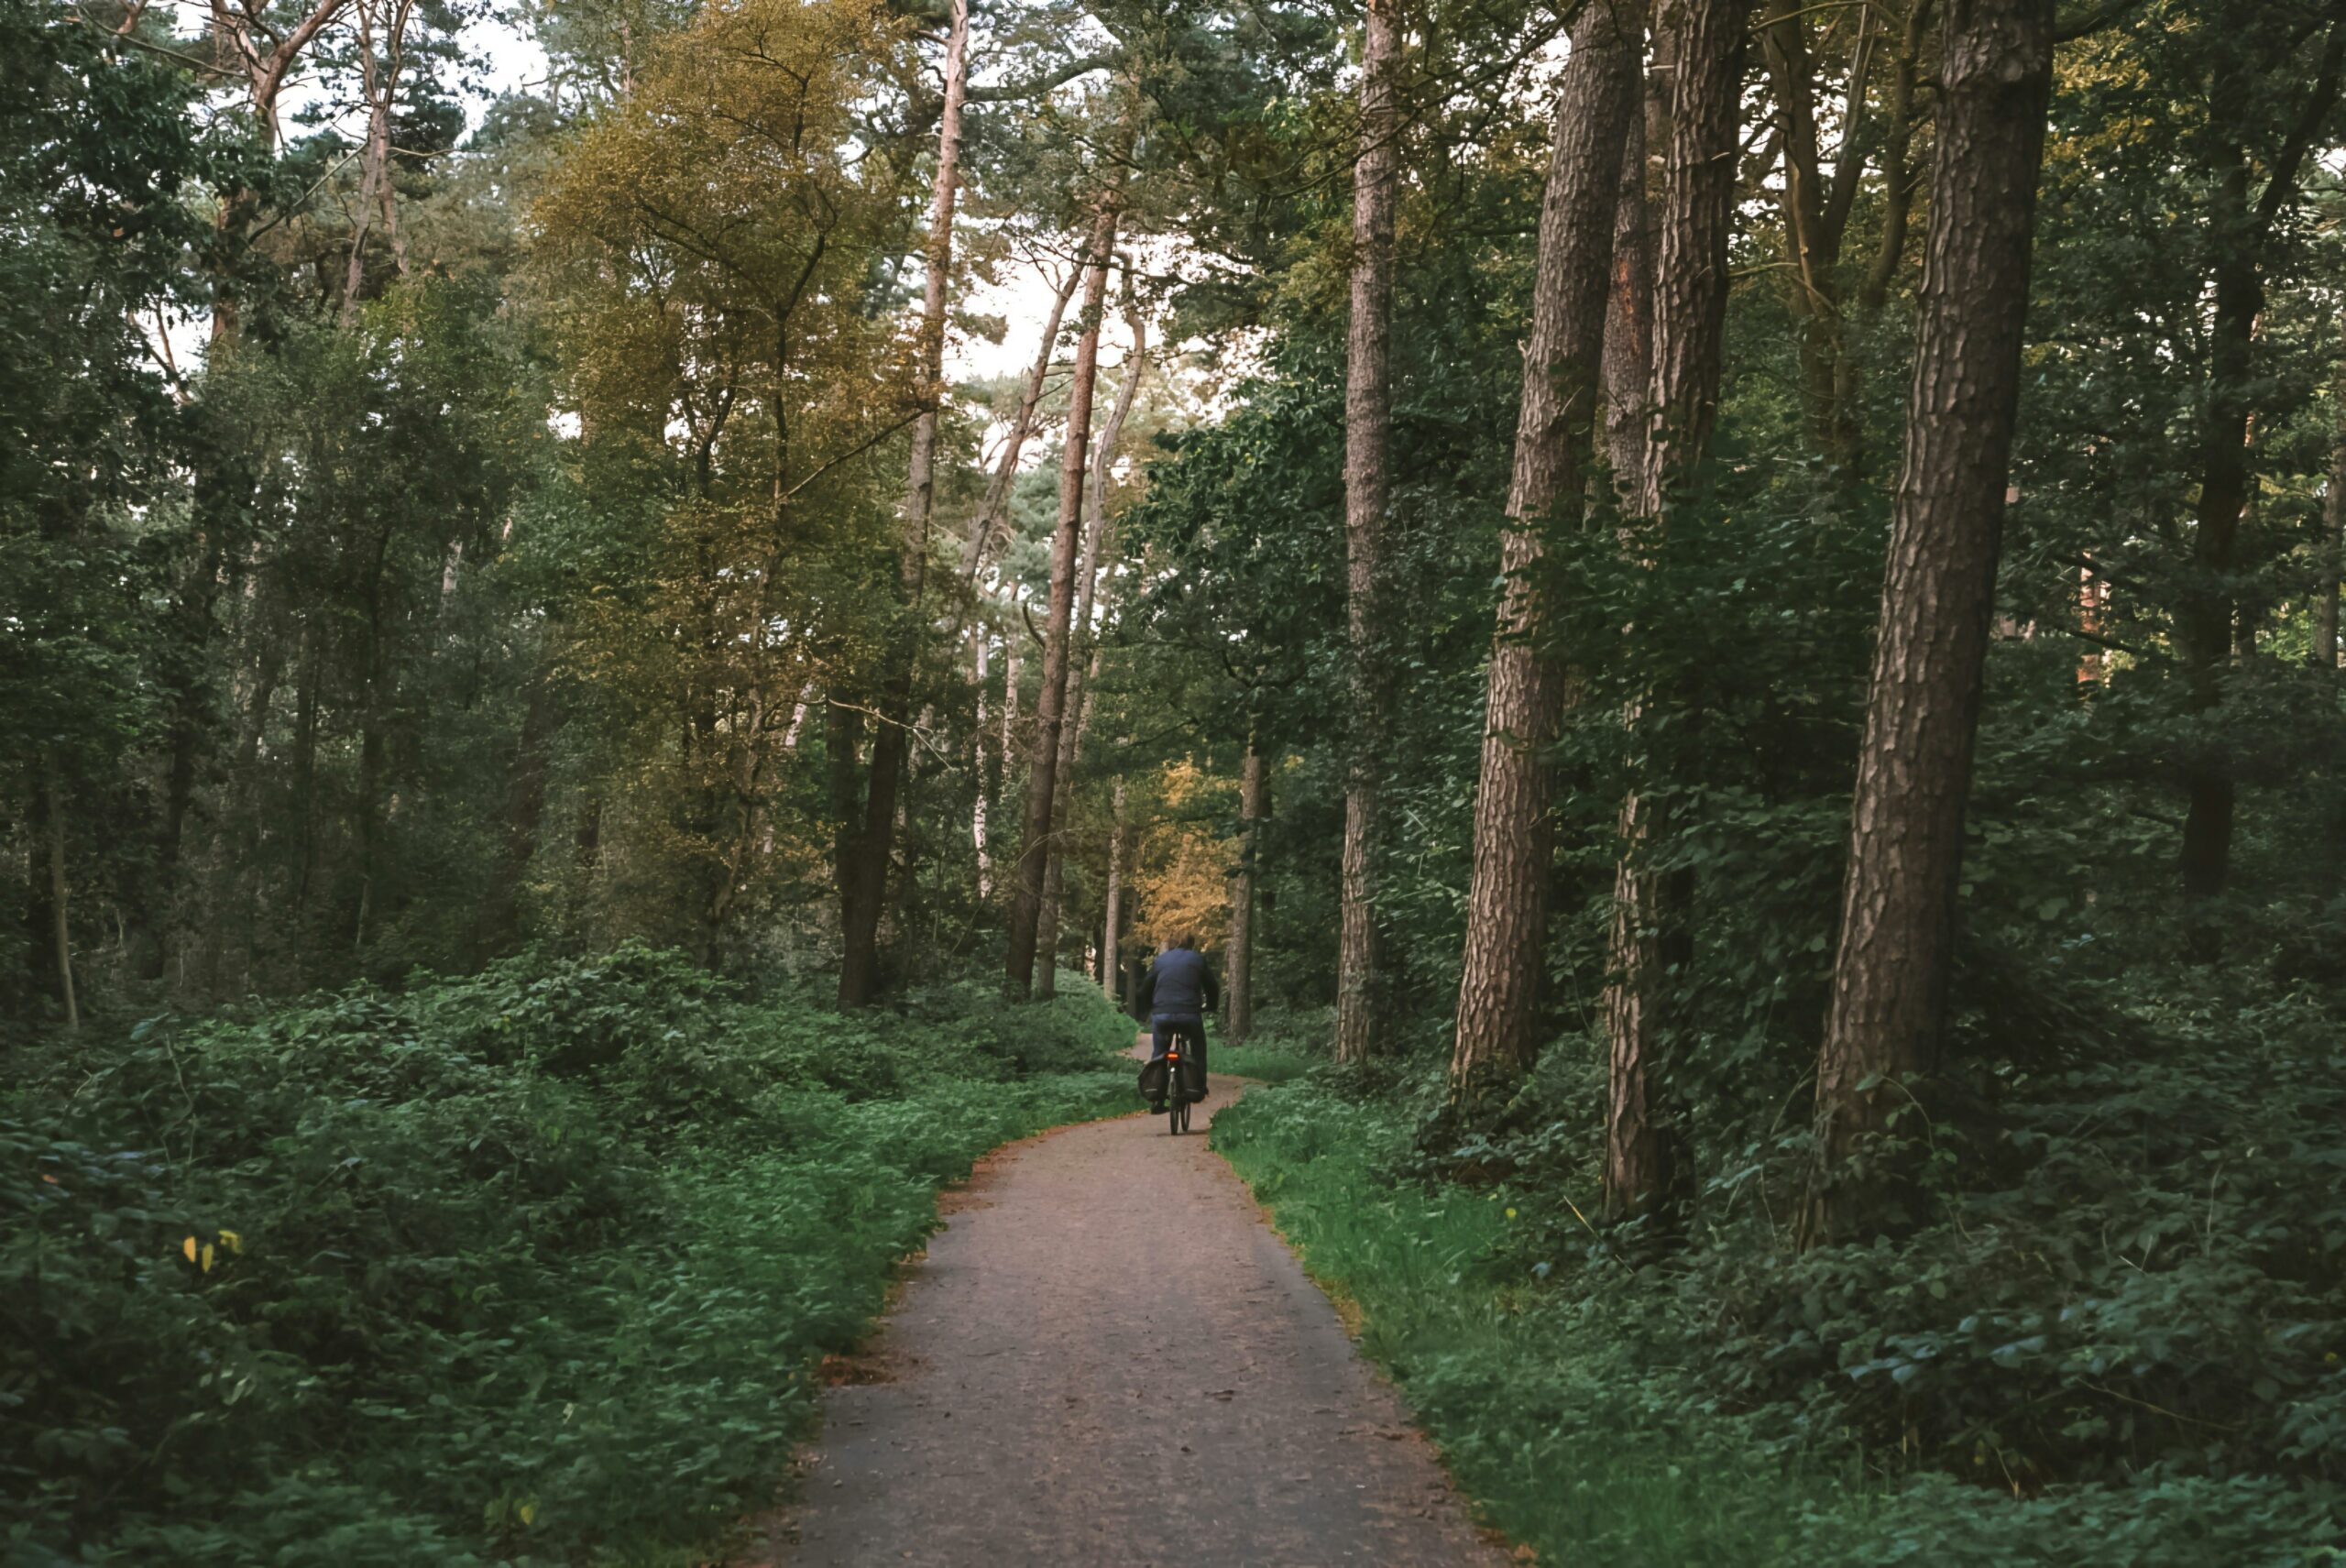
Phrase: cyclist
x=1174 y=996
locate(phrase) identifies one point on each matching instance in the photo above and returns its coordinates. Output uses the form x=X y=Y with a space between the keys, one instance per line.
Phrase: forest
x=624 y=625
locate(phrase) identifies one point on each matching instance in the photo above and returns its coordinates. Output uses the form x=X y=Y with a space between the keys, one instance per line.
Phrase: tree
x=712 y=241
x=1050 y=713
x=1686 y=318
x=1898 y=906
x=1368 y=412
x=864 y=891
x=2241 y=228
x=1083 y=668
x=1238 y=1011
x=1508 y=903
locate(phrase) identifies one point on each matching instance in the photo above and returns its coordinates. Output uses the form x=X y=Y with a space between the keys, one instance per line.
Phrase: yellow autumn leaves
x=204 y=1253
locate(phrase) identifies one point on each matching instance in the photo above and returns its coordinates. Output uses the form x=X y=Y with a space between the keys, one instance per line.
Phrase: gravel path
x=1108 y=1357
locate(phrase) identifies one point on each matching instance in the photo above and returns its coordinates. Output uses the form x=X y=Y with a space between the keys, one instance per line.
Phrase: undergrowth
x=1609 y=1413
x=1285 y=1044
x=1263 y=1064
x=532 y=1267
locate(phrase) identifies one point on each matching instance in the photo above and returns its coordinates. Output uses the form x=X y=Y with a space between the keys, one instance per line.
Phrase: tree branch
x=2319 y=103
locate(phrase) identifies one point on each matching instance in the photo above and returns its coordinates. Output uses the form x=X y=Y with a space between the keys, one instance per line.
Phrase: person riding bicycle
x=1174 y=996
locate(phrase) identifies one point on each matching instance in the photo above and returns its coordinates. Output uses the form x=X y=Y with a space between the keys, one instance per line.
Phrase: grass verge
x=1263 y=1064
x=1570 y=1415
x=1544 y=1414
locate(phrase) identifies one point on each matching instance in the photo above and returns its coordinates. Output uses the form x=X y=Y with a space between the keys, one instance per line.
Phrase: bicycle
x=1176 y=1109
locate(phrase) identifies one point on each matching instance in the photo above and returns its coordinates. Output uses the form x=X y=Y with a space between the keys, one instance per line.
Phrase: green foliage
x=535 y=1266
x=1594 y=1408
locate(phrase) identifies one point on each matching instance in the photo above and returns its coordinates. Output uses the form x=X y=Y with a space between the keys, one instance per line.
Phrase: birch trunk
x=2324 y=653
x=977 y=754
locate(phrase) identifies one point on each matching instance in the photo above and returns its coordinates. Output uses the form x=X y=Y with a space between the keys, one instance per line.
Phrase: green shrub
x=1608 y=1413
x=528 y=1268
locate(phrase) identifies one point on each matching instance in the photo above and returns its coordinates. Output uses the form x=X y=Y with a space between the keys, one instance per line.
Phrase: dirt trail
x=1108 y=1357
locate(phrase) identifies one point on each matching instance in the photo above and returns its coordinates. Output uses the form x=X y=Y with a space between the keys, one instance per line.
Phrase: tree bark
x=978 y=755
x=1898 y=171
x=1508 y=903
x=1007 y=763
x=1238 y=1013
x=1703 y=40
x=1111 y=923
x=1049 y=923
x=1815 y=213
x=1898 y=909
x=1368 y=412
x=1042 y=781
x=862 y=897
x=1628 y=320
x=1082 y=669
x=2332 y=556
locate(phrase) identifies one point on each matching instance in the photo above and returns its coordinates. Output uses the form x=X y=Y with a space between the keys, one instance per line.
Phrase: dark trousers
x=1187 y=1026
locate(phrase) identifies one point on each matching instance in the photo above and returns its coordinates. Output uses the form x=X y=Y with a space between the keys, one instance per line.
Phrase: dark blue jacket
x=1178 y=985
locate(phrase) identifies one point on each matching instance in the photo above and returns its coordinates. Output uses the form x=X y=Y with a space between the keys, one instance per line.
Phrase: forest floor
x=1109 y=1356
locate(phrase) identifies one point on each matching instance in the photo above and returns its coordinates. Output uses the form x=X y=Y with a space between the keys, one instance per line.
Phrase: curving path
x=1107 y=1357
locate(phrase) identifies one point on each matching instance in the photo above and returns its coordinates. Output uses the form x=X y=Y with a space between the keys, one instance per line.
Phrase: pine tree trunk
x=863 y=896
x=1047 y=921
x=1238 y=1013
x=1368 y=402
x=1508 y=903
x=1898 y=909
x=1704 y=39
x=1042 y=781
x=1082 y=672
x=1685 y=353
